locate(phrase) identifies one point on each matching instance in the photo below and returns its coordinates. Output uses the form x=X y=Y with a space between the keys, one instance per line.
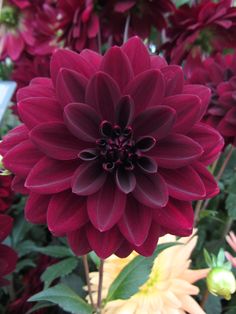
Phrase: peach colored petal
x=194 y=275
x=191 y=306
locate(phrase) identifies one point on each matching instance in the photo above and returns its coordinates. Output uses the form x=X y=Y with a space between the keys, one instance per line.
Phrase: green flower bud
x=221 y=282
x=9 y=16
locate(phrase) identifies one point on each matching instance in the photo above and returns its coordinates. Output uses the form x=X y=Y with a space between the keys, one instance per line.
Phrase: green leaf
x=21 y=227
x=134 y=275
x=207 y=258
x=55 y=251
x=60 y=269
x=221 y=257
x=213 y=305
x=24 y=263
x=230 y=205
x=178 y=3
x=64 y=297
x=25 y=247
x=39 y=306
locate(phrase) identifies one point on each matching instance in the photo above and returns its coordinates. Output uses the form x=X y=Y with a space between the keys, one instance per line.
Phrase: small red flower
x=8 y=257
x=210 y=25
x=112 y=151
x=219 y=74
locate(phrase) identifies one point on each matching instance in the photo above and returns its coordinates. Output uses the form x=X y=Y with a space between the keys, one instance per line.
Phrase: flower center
x=9 y=16
x=116 y=147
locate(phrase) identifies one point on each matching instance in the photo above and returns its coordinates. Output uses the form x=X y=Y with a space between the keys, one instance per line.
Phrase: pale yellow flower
x=169 y=287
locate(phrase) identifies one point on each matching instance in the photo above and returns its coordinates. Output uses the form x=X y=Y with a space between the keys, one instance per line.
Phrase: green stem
x=86 y=270
x=126 y=31
x=99 y=300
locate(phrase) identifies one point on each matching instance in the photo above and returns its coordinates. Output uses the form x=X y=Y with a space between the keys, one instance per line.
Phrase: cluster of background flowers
x=121 y=136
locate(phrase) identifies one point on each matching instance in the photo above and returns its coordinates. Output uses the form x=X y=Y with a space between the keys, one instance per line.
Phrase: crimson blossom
x=111 y=150
x=207 y=25
x=219 y=74
x=6 y=195
x=8 y=257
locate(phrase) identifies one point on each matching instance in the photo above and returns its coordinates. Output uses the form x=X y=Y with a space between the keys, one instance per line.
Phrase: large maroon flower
x=6 y=195
x=219 y=74
x=111 y=151
x=7 y=256
x=208 y=25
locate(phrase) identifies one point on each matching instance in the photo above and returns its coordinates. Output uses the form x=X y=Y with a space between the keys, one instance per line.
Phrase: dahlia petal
x=18 y=186
x=79 y=242
x=176 y=151
x=50 y=176
x=208 y=180
x=156 y=121
x=151 y=190
x=5 y=226
x=177 y=217
x=15 y=45
x=125 y=180
x=88 y=178
x=36 y=208
x=21 y=158
x=135 y=222
x=138 y=54
x=150 y=244
x=124 y=250
x=33 y=91
x=47 y=82
x=64 y=58
x=210 y=140
x=13 y=138
x=116 y=63
x=154 y=92
x=158 y=62
x=103 y=94
x=203 y=92
x=124 y=111
x=92 y=57
x=66 y=212
x=231 y=116
x=106 y=207
x=83 y=121
x=188 y=109
x=29 y=111
x=180 y=186
x=174 y=78
x=54 y=140
x=10 y=257
x=226 y=128
x=70 y=87
x=88 y=154
x=104 y=243
x=147 y=164
x=145 y=143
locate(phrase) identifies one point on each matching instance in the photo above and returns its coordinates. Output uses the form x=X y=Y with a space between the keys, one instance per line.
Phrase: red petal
x=151 y=190
x=83 y=121
x=54 y=140
x=174 y=78
x=176 y=151
x=5 y=226
x=88 y=178
x=157 y=121
x=51 y=176
x=10 y=258
x=13 y=138
x=138 y=54
x=104 y=243
x=147 y=89
x=117 y=65
x=103 y=94
x=184 y=183
x=66 y=212
x=177 y=217
x=106 y=207
x=30 y=108
x=79 y=242
x=125 y=180
x=135 y=222
x=36 y=208
x=71 y=87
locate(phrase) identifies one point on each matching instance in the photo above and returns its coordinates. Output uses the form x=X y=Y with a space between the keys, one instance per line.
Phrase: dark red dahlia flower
x=79 y=24
x=7 y=256
x=30 y=29
x=208 y=25
x=219 y=74
x=112 y=150
x=143 y=16
x=6 y=195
